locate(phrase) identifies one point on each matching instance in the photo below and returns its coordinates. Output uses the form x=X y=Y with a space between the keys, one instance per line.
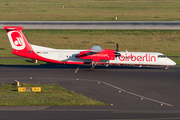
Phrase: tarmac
x=131 y=92
x=92 y=25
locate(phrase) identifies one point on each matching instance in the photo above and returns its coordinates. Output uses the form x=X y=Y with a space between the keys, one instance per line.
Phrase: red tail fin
x=17 y=39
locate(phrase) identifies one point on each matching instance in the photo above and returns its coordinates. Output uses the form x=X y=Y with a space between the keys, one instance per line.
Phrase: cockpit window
x=161 y=56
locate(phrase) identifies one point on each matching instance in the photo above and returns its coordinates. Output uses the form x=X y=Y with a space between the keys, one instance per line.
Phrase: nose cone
x=171 y=62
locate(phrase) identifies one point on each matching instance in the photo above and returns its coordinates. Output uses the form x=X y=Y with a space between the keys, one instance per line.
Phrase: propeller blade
x=116 y=53
x=117 y=46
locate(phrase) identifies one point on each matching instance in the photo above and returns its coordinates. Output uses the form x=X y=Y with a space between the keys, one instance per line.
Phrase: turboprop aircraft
x=94 y=56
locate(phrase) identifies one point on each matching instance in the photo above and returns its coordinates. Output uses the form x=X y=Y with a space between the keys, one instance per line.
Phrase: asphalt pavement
x=132 y=92
x=164 y=25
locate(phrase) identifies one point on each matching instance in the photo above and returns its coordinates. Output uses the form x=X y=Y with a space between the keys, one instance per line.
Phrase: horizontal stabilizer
x=13 y=28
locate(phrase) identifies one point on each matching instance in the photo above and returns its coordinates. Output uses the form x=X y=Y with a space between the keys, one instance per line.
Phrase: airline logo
x=16 y=40
x=146 y=57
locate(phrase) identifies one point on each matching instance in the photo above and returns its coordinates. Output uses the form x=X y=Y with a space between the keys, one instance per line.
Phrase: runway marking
x=131 y=93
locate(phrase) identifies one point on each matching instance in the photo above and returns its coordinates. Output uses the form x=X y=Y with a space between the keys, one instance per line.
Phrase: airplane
x=94 y=56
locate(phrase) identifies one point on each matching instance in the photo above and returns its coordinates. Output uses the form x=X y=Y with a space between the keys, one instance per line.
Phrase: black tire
x=91 y=68
x=166 y=68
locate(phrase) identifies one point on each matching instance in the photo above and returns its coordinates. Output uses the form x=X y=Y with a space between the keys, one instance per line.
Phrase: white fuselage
x=126 y=58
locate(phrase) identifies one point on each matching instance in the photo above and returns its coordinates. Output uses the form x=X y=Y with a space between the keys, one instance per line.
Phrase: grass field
x=51 y=95
x=164 y=41
x=20 y=62
x=105 y=10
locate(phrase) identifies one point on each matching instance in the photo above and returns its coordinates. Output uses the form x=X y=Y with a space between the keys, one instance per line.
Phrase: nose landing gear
x=167 y=66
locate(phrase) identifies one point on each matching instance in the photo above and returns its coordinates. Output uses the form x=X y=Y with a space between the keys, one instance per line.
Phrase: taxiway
x=124 y=25
x=133 y=92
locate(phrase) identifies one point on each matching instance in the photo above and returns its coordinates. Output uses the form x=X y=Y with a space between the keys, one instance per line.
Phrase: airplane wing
x=93 y=50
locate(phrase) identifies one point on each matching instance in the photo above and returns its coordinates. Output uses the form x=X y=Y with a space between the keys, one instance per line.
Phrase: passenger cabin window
x=161 y=56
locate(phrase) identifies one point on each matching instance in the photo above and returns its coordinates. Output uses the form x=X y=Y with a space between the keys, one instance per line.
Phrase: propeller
x=117 y=46
x=116 y=52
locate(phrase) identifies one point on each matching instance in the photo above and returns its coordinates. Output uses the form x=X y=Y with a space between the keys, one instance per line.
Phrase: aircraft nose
x=171 y=62
x=174 y=63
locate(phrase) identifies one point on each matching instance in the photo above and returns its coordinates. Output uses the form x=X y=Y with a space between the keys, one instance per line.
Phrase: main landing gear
x=93 y=65
x=91 y=68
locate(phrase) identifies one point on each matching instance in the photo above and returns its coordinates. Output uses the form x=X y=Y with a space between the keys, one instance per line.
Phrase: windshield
x=161 y=56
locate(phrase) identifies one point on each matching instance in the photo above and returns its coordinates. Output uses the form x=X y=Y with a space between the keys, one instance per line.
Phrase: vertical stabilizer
x=17 y=39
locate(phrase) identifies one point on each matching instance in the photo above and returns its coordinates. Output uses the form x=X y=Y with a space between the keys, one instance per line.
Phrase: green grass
x=106 y=10
x=51 y=95
x=164 y=41
x=20 y=62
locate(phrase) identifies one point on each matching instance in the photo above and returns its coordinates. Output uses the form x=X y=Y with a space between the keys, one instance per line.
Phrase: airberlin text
x=146 y=57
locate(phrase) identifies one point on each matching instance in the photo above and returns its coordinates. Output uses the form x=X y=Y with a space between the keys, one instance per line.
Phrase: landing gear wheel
x=91 y=68
x=166 y=67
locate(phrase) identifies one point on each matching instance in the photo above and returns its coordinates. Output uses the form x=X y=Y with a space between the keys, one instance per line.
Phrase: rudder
x=17 y=39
